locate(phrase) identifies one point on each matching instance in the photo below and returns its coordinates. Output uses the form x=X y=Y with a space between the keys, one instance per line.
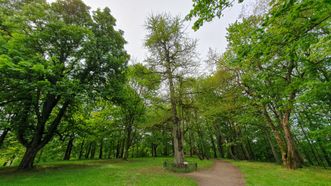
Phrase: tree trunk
x=68 y=149
x=40 y=137
x=273 y=150
x=127 y=141
x=213 y=146
x=122 y=148
x=110 y=150
x=190 y=143
x=177 y=132
x=100 y=149
x=28 y=158
x=220 y=145
x=117 y=152
x=246 y=153
x=88 y=150
x=230 y=149
x=325 y=154
x=313 y=150
x=178 y=146
x=278 y=137
x=250 y=149
x=293 y=159
x=165 y=149
x=93 y=150
x=81 y=150
x=3 y=136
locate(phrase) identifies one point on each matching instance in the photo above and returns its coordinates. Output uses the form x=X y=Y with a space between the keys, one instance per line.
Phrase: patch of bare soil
x=221 y=174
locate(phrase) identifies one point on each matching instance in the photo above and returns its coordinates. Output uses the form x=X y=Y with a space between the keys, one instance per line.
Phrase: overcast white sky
x=131 y=16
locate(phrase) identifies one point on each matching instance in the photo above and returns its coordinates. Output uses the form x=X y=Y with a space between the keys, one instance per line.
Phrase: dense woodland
x=69 y=90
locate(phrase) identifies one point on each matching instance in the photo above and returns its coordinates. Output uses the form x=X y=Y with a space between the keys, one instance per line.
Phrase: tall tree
x=171 y=54
x=55 y=54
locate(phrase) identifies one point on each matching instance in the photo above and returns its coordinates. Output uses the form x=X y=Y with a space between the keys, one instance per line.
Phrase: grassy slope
x=267 y=174
x=146 y=171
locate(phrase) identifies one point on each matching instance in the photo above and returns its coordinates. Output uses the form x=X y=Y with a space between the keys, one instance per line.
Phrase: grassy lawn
x=147 y=171
x=267 y=174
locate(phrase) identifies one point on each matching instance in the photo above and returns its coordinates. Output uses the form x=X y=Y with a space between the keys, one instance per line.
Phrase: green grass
x=147 y=171
x=268 y=174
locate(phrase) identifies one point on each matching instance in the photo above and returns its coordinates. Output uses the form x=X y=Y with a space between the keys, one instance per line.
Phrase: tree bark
x=117 y=152
x=110 y=150
x=81 y=150
x=273 y=150
x=325 y=154
x=281 y=144
x=89 y=147
x=213 y=146
x=177 y=132
x=293 y=159
x=127 y=140
x=3 y=136
x=93 y=150
x=154 y=148
x=220 y=145
x=40 y=137
x=312 y=148
x=68 y=149
x=28 y=158
x=101 y=149
x=122 y=148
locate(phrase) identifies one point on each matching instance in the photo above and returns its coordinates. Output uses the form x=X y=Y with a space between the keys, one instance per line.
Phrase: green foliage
x=207 y=10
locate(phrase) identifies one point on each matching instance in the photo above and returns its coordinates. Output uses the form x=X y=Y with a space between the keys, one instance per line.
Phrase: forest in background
x=67 y=91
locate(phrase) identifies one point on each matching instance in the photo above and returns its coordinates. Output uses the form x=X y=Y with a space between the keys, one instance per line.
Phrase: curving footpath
x=221 y=174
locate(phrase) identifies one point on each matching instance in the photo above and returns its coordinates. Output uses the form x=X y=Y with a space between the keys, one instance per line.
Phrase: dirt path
x=221 y=174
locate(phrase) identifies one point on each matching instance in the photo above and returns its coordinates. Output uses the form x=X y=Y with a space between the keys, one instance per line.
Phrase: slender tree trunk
x=312 y=149
x=154 y=148
x=127 y=141
x=220 y=145
x=213 y=146
x=87 y=155
x=273 y=150
x=191 y=144
x=81 y=149
x=93 y=149
x=117 y=152
x=165 y=149
x=101 y=149
x=3 y=136
x=110 y=150
x=247 y=155
x=250 y=149
x=68 y=149
x=281 y=144
x=325 y=154
x=230 y=150
x=165 y=144
x=122 y=148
